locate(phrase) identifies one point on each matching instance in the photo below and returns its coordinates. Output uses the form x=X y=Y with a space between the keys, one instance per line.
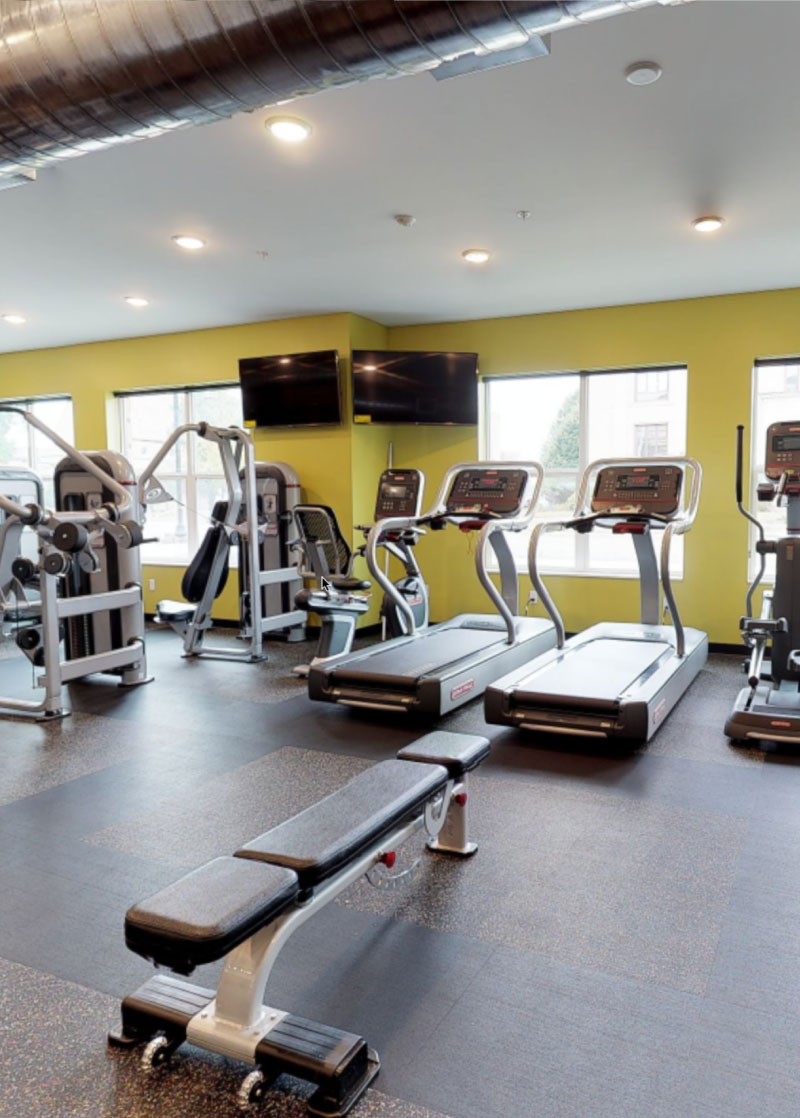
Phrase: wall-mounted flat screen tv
x=291 y=390
x=414 y=387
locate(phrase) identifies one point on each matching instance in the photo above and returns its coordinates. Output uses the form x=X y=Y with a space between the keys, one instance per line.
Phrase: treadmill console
x=783 y=450
x=638 y=489
x=399 y=494
x=486 y=493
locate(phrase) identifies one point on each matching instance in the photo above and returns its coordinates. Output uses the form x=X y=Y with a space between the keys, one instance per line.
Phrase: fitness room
x=399 y=487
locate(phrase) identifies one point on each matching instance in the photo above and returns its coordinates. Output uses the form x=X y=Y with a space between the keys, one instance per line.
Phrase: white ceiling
x=612 y=175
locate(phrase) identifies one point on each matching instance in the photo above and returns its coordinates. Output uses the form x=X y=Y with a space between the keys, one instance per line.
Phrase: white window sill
x=631 y=576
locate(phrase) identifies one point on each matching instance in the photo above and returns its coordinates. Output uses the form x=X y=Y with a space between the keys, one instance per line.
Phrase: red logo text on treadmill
x=463 y=689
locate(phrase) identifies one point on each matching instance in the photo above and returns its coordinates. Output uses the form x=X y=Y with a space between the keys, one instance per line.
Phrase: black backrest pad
x=329 y=834
x=207 y=913
x=197 y=573
x=318 y=524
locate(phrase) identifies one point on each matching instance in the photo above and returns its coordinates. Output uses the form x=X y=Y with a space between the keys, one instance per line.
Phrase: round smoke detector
x=643 y=73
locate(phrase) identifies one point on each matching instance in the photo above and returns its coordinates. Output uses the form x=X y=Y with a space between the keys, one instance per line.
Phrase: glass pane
x=57 y=414
x=777 y=399
x=534 y=417
x=223 y=408
x=148 y=419
x=168 y=522
x=13 y=440
x=626 y=422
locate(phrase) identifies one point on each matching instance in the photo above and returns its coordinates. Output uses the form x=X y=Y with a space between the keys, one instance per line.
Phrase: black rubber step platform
x=329 y=834
x=204 y=915
x=459 y=753
x=339 y=1063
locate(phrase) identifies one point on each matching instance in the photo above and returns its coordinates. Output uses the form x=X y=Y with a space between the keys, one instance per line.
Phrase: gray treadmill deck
x=431 y=652
x=594 y=671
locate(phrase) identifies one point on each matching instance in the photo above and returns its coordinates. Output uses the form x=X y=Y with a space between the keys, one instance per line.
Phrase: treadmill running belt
x=592 y=674
x=404 y=664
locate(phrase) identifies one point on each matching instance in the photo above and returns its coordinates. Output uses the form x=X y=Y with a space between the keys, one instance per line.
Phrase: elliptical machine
x=329 y=559
x=768 y=709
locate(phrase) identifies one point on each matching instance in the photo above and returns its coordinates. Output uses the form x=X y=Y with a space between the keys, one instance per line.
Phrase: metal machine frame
x=240 y=523
x=768 y=708
x=442 y=686
x=528 y=700
x=66 y=538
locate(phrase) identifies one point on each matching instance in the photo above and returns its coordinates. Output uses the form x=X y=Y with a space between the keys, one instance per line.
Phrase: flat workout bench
x=247 y=906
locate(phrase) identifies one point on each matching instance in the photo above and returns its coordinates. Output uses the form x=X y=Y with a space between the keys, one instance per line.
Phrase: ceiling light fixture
x=15 y=319
x=136 y=301
x=708 y=224
x=476 y=255
x=290 y=129
x=192 y=244
x=406 y=220
x=643 y=73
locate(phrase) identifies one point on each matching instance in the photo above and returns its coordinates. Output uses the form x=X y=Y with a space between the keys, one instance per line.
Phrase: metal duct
x=76 y=75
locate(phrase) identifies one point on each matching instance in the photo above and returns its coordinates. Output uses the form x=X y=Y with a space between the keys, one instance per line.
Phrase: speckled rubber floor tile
x=234 y=807
x=55 y=1063
x=620 y=884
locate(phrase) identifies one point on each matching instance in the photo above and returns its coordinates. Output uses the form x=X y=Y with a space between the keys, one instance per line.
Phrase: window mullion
x=581 y=538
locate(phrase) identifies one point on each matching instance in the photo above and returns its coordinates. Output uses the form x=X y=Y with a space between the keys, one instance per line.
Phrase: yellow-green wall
x=717 y=338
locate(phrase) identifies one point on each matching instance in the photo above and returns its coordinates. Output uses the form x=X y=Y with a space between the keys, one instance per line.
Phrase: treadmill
x=433 y=670
x=614 y=680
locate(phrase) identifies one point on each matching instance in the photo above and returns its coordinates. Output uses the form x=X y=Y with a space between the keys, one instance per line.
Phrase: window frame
x=190 y=476
x=26 y=403
x=756 y=460
x=581 y=568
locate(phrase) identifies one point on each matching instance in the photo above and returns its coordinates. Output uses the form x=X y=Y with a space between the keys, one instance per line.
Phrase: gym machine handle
x=753 y=520
x=739 y=442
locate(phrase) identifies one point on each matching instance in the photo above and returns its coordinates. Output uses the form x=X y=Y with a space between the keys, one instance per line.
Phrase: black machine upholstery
x=320 y=532
x=207 y=913
x=329 y=834
x=459 y=753
x=197 y=573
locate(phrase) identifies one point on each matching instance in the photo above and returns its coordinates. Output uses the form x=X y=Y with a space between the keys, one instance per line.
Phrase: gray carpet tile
x=55 y=1064
x=234 y=807
x=627 y=886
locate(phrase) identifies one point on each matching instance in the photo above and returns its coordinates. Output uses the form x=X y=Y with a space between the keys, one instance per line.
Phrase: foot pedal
x=341 y=1064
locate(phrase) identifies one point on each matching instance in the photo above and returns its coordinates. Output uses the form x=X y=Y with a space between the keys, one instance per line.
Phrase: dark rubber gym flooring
x=625 y=943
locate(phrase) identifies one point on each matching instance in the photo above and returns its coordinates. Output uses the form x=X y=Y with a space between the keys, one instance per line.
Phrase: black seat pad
x=329 y=834
x=459 y=753
x=348 y=582
x=207 y=913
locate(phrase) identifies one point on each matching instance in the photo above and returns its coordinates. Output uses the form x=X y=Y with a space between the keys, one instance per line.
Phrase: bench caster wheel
x=252 y=1090
x=156 y=1053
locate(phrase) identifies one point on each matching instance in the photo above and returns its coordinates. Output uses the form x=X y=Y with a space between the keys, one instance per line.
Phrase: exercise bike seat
x=348 y=582
x=168 y=611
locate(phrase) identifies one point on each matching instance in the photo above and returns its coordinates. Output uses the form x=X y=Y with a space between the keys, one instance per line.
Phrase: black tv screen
x=414 y=387
x=291 y=390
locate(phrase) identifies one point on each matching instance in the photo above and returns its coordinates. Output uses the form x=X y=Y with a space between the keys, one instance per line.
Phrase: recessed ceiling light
x=190 y=243
x=643 y=73
x=136 y=301
x=708 y=224
x=370 y=368
x=476 y=255
x=290 y=129
x=15 y=319
x=284 y=361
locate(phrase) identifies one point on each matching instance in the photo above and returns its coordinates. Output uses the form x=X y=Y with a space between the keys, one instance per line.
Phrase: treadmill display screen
x=638 y=481
x=489 y=483
x=785 y=442
x=480 y=493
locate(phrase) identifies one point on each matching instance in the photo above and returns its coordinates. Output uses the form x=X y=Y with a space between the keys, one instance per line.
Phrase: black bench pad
x=329 y=834
x=174 y=611
x=459 y=753
x=207 y=913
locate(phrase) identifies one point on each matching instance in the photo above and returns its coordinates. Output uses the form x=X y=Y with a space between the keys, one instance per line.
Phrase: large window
x=23 y=445
x=776 y=397
x=191 y=472
x=567 y=420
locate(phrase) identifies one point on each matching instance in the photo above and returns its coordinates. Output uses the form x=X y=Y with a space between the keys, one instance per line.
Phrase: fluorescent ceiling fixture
x=708 y=224
x=15 y=319
x=136 y=301
x=643 y=73
x=476 y=255
x=370 y=368
x=190 y=243
x=290 y=129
